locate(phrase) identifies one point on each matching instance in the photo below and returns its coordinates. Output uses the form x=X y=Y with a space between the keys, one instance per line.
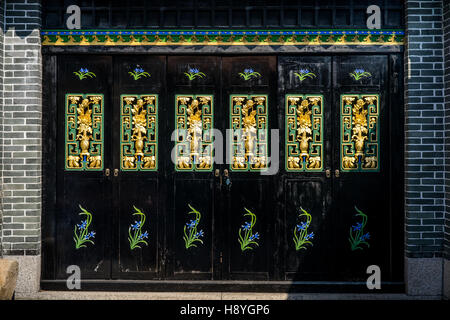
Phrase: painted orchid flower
x=357 y=226
x=90 y=235
x=246 y=226
x=302 y=226
x=192 y=224
x=199 y=234
x=82 y=225
x=310 y=236
x=136 y=225
x=365 y=236
x=254 y=237
x=192 y=237
x=144 y=235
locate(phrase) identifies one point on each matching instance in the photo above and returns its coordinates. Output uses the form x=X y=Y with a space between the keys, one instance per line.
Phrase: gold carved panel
x=249 y=124
x=194 y=128
x=83 y=132
x=360 y=144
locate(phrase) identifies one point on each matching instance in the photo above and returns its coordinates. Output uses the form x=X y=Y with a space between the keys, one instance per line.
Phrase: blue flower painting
x=247 y=238
x=249 y=73
x=194 y=73
x=84 y=73
x=191 y=235
x=304 y=73
x=138 y=73
x=357 y=235
x=358 y=74
x=82 y=235
x=136 y=237
x=301 y=236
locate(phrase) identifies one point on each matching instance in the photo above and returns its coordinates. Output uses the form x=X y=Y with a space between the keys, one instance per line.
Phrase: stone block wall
x=446 y=21
x=424 y=156
x=21 y=137
x=425 y=147
x=2 y=31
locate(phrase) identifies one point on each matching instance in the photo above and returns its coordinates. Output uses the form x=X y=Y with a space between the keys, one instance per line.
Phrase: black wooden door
x=173 y=166
x=349 y=199
x=249 y=112
x=139 y=154
x=305 y=117
x=367 y=165
x=193 y=105
x=84 y=150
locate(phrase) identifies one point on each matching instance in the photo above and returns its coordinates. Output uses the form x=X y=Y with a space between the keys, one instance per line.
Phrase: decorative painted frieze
x=221 y=37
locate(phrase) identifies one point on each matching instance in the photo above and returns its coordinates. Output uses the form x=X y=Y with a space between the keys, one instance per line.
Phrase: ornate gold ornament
x=248 y=122
x=139 y=132
x=359 y=132
x=304 y=132
x=194 y=124
x=84 y=132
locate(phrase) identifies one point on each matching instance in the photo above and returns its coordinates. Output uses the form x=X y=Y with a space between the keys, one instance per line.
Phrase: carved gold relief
x=359 y=132
x=84 y=132
x=248 y=121
x=304 y=132
x=194 y=124
x=139 y=132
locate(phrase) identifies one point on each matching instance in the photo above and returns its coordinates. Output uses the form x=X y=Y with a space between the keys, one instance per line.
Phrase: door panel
x=194 y=85
x=138 y=258
x=307 y=261
x=247 y=258
x=194 y=215
x=139 y=93
x=249 y=95
x=83 y=234
x=363 y=179
x=305 y=121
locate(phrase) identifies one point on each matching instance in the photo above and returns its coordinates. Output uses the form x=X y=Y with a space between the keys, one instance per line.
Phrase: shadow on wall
x=18 y=33
x=22 y=20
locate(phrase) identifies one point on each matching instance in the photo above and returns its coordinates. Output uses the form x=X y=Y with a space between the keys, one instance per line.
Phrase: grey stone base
x=423 y=276
x=446 y=286
x=113 y=295
x=29 y=273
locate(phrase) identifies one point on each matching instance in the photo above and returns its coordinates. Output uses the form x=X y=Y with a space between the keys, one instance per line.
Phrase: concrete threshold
x=104 y=295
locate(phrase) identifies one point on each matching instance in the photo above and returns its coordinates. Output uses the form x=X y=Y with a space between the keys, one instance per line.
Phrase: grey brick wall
x=424 y=150
x=446 y=16
x=2 y=29
x=22 y=105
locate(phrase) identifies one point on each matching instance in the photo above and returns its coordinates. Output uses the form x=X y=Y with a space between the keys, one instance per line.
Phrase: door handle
x=328 y=173
x=337 y=173
x=395 y=80
x=227 y=178
x=217 y=175
x=116 y=172
x=107 y=172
